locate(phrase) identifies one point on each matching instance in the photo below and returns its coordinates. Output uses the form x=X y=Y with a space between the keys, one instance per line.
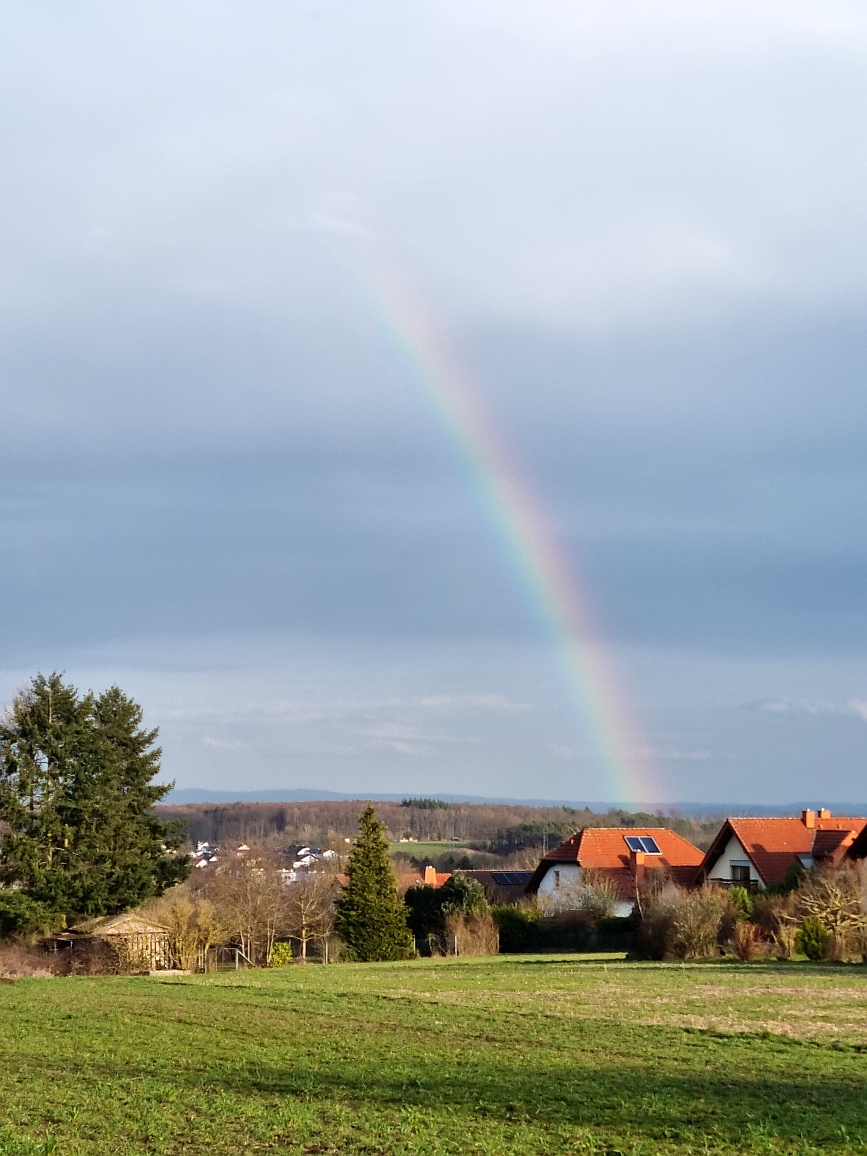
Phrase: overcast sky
x=642 y=230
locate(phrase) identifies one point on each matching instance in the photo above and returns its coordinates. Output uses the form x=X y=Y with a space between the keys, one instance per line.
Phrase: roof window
x=642 y=843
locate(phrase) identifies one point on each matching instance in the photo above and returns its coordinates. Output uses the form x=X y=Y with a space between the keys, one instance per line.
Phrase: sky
x=638 y=230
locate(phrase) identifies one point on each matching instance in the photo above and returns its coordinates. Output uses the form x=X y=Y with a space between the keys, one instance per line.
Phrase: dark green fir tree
x=79 y=835
x=371 y=920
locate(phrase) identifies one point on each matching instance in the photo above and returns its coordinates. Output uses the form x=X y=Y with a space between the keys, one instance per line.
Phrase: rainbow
x=517 y=517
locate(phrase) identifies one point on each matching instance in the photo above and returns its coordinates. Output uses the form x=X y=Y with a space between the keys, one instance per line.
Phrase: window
x=642 y=843
x=556 y=878
x=740 y=873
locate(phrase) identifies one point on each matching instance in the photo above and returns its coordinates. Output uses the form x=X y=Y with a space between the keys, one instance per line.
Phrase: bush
x=19 y=962
x=812 y=939
x=745 y=941
x=516 y=925
x=281 y=954
x=473 y=934
x=741 y=902
x=696 y=923
x=428 y=907
x=681 y=924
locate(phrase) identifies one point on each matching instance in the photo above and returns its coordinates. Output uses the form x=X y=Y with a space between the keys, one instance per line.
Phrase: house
x=757 y=853
x=625 y=855
x=858 y=848
x=501 y=886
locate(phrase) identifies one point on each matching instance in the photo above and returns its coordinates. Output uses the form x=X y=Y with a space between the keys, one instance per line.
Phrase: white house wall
x=556 y=878
x=734 y=853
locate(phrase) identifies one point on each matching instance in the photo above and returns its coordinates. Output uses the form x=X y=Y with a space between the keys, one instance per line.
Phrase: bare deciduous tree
x=837 y=900
x=310 y=908
x=193 y=926
x=250 y=898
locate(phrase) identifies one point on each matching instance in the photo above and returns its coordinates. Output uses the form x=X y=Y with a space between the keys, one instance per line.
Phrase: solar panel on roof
x=642 y=843
x=511 y=878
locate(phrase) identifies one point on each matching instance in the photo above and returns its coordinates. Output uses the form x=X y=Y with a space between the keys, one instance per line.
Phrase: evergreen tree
x=371 y=920
x=76 y=803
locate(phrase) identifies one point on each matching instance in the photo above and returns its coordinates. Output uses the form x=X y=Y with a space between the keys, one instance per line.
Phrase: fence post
x=326 y=951
x=456 y=945
x=237 y=962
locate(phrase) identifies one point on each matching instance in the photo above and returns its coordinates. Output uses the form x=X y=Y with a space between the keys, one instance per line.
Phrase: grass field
x=530 y=1055
x=425 y=850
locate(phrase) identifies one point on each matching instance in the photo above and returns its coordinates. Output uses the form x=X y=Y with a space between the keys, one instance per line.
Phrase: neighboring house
x=757 y=853
x=858 y=849
x=502 y=886
x=624 y=855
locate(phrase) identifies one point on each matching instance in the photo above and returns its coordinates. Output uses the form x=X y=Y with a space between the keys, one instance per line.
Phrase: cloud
x=672 y=754
x=221 y=744
x=475 y=703
x=854 y=708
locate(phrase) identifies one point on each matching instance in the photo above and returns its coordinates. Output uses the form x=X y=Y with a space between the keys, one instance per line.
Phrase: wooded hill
x=493 y=828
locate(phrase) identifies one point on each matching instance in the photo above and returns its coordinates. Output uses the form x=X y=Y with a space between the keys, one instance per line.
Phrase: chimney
x=808 y=818
x=430 y=876
x=636 y=865
x=824 y=813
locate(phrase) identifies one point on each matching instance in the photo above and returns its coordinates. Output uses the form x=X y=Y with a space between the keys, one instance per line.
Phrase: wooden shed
x=131 y=934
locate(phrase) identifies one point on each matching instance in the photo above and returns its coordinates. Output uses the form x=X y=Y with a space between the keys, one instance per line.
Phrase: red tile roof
x=605 y=849
x=773 y=845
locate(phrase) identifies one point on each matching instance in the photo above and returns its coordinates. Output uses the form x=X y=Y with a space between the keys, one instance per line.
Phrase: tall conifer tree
x=371 y=920
x=76 y=802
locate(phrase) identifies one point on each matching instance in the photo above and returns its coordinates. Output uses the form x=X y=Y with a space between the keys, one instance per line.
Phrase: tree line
x=495 y=828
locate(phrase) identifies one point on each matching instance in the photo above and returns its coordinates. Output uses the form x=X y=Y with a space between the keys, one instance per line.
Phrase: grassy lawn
x=530 y=1055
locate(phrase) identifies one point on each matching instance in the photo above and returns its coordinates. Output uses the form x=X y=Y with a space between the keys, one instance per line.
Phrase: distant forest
x=493 y=831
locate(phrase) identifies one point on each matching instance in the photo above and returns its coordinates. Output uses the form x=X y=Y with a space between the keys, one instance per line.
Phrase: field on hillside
x=530 y=1055
x=421 y=850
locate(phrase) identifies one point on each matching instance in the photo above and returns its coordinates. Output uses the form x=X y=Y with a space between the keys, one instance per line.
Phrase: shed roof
x=126 y=923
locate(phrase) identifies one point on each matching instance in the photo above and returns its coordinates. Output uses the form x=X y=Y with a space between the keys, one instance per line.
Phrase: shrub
x=683 y=924
x=695 y=924
x=812 y=939
x=741 y=902
x=515 y=925
x=428 y=907
x=19 y=962
x=281 y=954
x=745 y=941
x=473 y=934
x=777 y=919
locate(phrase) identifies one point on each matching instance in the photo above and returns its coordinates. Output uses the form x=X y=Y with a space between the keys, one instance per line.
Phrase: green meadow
x=531 y=1055
x=429 y=850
